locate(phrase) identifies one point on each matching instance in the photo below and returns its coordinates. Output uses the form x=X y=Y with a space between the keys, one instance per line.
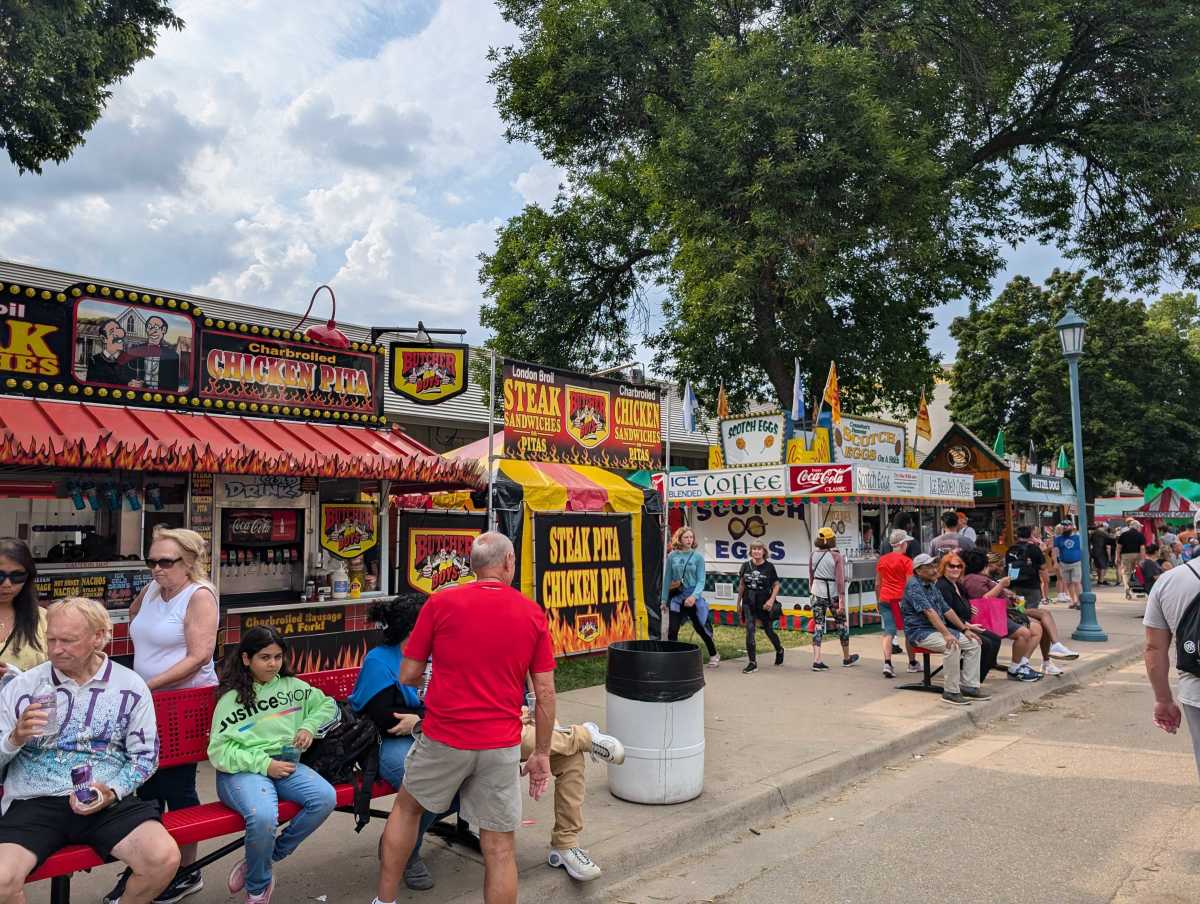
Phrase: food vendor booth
x=121 y=410
x=1164 y=505
x=588 y=543
x=785 y=505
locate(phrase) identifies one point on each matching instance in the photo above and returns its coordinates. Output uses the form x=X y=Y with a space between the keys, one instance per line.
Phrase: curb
x=780 y=798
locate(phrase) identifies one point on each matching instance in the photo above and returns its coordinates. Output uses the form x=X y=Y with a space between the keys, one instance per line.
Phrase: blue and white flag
x=690 y=407
x=797 y=396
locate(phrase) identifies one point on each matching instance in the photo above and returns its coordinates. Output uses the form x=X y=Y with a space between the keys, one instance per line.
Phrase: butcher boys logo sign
x=439 y=557
x=587 y=416
x=349 y=529
x=273 y=372
x=429 y=374
x=558 y=416
x=583 y=573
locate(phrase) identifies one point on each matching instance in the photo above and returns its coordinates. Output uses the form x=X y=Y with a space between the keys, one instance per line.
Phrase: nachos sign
x=428 y=374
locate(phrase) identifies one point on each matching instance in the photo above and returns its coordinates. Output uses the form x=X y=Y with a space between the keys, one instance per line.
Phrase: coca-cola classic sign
x=820 y=480
x=260 y=526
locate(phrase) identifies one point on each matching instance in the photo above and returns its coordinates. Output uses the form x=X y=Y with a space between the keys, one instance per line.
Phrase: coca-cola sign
x=260 y=526
x=820 y=480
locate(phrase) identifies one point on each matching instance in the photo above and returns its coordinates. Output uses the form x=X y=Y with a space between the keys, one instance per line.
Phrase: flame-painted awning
x=34 y=432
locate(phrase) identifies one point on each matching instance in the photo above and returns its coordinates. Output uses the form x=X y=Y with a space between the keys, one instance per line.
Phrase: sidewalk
x=774 y=738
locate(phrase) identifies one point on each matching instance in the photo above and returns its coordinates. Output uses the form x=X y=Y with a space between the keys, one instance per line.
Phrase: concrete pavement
x=774 y=739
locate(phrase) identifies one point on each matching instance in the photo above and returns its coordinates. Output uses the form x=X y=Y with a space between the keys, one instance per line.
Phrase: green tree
x=58 y=59
x=812 y=178
x=1139 y=422
x=1177 y=313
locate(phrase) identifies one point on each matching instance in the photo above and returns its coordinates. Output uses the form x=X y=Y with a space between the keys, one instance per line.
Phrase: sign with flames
x=429 y=374
x=584 y=579
x=439 y=557
x=272 y=374
x=349 y=529
x=560 y=416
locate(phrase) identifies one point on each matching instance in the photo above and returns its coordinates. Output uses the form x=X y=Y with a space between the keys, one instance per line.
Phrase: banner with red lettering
x=429 y=374
x=435 y=550
x=349 y=529
x=560 y=416
x=820 y=480
x=272 y=374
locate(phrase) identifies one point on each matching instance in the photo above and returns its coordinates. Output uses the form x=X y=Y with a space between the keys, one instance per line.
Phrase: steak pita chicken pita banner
x=559 y=416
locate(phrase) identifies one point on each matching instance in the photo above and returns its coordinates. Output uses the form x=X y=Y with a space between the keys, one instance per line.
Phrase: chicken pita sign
x=429 y=374
x=559 y=416
x=753 y=440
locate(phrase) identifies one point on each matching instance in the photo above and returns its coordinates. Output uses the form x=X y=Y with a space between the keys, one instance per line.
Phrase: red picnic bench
x=184 y=718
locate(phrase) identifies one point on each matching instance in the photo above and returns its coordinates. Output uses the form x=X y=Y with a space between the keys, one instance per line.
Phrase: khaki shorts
x=488 y=782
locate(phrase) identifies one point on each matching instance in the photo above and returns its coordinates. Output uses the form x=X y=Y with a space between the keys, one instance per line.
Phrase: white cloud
x=539 y=184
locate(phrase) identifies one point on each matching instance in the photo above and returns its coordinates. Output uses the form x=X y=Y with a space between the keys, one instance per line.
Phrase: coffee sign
x=747 y=483
x=820 y=480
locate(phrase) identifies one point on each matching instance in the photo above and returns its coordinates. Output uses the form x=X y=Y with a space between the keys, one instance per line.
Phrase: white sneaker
x=714 y=660
x=1049 y=668
x=576 y=862
x=1062 y=598
x=606 y=749
x=1058 y=651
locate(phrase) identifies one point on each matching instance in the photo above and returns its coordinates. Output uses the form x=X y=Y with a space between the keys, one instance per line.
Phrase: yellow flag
x=924 y=429
x=833 y=396
x=910 y=458
x=722 y=403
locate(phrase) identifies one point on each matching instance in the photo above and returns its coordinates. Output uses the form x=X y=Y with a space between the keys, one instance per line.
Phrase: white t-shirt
x=1165 y=607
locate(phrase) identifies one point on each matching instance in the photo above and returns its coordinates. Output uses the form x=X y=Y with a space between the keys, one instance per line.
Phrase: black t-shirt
x=1099 y=543
x=1130 y=540
x=1151 y=571
x=757 y=581
x=1033 y=554
x=954 y=598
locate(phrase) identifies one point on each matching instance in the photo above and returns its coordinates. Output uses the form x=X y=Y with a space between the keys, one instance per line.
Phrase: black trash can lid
x=654 y=671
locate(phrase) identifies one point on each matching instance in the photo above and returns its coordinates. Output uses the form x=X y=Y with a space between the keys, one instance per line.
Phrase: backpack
x=1187 y=634
x=1018 y=557
x=348 y=753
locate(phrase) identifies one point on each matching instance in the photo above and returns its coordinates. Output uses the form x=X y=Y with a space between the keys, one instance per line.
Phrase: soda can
x=81 y=778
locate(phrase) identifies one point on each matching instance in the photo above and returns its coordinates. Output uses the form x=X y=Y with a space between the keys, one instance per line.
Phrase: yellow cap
x=826 y=533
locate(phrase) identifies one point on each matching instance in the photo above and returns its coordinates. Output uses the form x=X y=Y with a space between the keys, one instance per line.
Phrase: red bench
x=184 y=718
x=927 y=676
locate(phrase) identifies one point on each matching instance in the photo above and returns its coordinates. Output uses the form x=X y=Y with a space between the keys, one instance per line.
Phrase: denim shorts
x=887 y=618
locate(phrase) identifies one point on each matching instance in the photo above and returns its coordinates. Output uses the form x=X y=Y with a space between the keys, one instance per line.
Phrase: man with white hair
x=102 y=718
x=485 y=637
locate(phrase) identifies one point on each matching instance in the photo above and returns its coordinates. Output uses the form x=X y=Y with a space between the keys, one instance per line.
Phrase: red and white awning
x=1167 y=504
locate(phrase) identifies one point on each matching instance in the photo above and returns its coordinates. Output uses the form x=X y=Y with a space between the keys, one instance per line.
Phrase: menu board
x=115 y=587
x=200 y=517
x=561 y=416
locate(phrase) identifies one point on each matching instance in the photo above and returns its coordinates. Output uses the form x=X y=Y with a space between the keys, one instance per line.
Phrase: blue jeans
x=392 y=753
x=257 y=798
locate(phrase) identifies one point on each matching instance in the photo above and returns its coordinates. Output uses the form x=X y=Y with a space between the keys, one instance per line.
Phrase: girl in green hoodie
x=265 y=718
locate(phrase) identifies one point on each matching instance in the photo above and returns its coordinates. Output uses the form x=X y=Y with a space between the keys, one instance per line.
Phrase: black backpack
x=1187 y=634
x=348 y=753
x=1018 y=557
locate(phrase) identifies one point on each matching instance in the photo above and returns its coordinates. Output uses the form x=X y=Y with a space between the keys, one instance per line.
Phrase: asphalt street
x=1075 y=799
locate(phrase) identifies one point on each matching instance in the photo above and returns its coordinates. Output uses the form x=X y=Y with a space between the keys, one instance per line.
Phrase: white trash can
x=656 y=709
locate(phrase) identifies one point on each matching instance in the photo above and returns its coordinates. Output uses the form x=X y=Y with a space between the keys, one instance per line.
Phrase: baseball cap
x=826 y=533
x=898 y=536
x=923 y=558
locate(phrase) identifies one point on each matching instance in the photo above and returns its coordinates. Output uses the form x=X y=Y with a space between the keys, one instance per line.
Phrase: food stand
x=784 y=506
x=122 y=409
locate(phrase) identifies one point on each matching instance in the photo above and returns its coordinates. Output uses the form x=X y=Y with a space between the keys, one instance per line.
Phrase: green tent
x=1188 y=489
x=998 y=445
x=643 y=479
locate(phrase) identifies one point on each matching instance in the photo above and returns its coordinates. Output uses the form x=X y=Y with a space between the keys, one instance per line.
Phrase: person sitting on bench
x=930 y=623
x=101 y=717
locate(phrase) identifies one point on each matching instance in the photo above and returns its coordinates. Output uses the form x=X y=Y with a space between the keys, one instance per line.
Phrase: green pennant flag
x=1063 y=464
x=998 y=445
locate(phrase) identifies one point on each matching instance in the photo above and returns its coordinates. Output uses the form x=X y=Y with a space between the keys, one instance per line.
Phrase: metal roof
x=467 y=408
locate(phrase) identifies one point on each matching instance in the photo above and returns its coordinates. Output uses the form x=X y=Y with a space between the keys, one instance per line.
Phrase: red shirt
x=484 y=638
x=894 y=570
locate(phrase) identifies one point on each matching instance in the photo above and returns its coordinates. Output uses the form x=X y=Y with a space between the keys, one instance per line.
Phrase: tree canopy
x=58 y=60
x=1136 y=378
x=812 y=178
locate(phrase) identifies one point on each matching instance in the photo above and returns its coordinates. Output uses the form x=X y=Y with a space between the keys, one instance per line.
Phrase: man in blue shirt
x=929 y=622
x=1068 y=552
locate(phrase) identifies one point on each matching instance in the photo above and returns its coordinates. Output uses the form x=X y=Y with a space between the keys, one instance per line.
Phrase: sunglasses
x=950 y=565
x=17 y=577
x=164 y=564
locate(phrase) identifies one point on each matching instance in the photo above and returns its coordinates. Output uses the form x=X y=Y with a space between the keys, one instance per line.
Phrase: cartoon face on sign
x=587 y=416
x=429 y=375
x=439 y=557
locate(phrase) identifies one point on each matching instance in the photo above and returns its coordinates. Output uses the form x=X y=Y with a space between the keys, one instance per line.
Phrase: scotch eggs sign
x=753 y=440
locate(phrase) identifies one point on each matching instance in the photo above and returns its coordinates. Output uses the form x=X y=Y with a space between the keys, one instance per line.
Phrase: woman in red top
x=892 y=573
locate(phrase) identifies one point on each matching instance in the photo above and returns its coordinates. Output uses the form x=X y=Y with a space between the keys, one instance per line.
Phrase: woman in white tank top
x=173 y=626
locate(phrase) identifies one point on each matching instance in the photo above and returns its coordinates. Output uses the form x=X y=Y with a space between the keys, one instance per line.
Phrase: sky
x=258 y=155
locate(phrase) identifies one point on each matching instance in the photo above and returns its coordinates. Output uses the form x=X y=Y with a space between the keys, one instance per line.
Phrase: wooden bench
x=184 y=718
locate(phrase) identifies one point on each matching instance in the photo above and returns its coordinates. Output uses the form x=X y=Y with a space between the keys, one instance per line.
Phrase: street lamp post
x=1070 y=334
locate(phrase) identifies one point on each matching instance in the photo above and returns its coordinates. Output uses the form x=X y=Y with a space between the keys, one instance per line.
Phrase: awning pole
x=491 y=459
x=664 y=616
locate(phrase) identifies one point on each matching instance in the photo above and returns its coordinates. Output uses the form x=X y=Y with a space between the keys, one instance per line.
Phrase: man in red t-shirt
x=892 y=572
x=486 y=637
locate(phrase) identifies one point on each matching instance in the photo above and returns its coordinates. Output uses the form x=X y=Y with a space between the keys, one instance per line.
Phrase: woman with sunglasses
x=951 y=571
x=173 y=626
x=22 y=620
